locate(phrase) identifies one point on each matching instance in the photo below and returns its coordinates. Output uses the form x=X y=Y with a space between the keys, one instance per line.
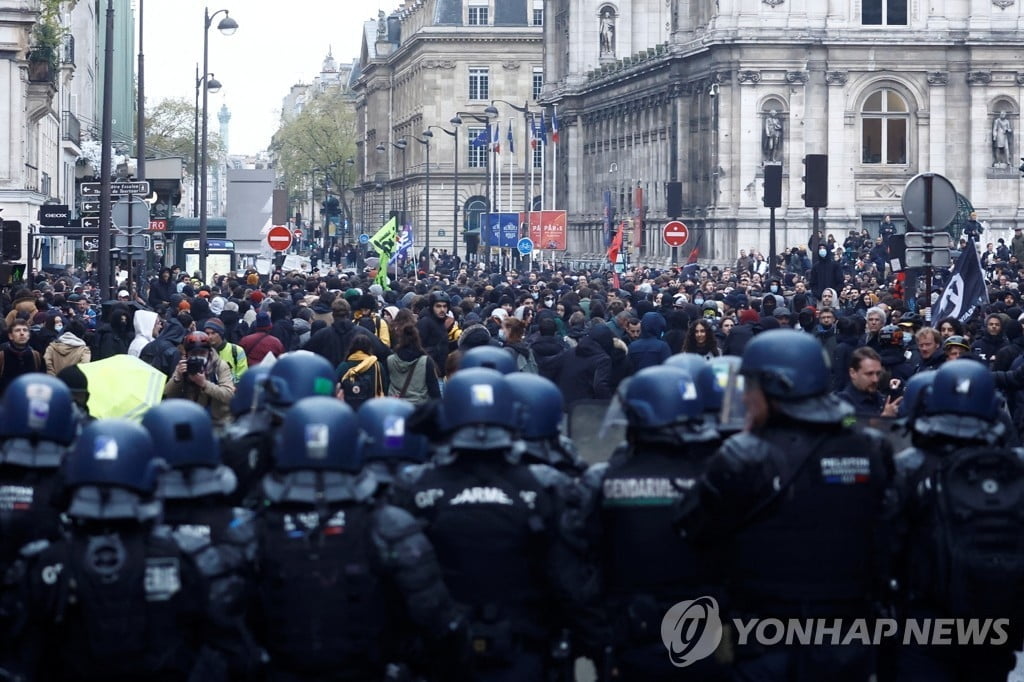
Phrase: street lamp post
x=456 y=122
x=214 y=86
x=426 y=220
x=491 y=112
x=227 y=26
x=400 y=145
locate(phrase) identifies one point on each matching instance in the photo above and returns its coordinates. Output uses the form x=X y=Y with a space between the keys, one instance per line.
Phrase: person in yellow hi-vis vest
x=231 y=354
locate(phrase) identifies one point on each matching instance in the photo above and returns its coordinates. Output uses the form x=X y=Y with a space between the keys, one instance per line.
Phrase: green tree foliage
x=319 y=139
x=170 y=131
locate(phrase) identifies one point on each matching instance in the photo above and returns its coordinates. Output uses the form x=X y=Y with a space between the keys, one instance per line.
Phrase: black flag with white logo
x=966 y=289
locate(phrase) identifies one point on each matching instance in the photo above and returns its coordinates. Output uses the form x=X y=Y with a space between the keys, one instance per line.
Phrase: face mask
x=774 y=289
x=535 y=295
x=822 y=252
x=698 y=301
x=549 y=302
x=58 y=328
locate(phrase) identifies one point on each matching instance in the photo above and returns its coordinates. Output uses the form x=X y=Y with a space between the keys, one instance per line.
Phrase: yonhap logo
x=691 y=631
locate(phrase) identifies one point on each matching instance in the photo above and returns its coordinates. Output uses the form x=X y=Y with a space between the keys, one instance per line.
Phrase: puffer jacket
x=67 y=350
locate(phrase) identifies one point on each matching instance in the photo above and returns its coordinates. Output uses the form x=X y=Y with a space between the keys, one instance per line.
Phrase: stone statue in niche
x=607 y=32
x=1002 y=141
x=382 y=25
x=772 y=143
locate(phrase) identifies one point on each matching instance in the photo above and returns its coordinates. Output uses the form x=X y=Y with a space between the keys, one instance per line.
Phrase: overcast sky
x=277 y=45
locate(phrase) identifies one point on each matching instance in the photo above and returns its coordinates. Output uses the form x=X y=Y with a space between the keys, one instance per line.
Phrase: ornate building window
x=538 y=13
x=538 y=82
x=479 y=83
x=477 y=15
x=885 y=125
x=883 y=13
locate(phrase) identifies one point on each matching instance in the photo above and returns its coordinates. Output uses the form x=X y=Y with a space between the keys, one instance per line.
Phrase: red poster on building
x=638 y=217
x=548 y=229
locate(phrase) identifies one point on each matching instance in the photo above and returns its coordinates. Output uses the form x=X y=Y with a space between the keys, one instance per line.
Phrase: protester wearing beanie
x=260 y=343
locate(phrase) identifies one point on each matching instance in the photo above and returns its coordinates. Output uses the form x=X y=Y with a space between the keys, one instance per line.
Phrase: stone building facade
x=707 y=92
x=420 y=67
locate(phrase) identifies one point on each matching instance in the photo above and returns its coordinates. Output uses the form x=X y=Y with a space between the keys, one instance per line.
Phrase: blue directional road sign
x=525 y=245
x=364 y=239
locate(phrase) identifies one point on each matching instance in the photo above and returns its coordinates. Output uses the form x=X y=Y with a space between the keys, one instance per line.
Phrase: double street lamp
x=227 y=26
x=400 y=145
x=491 y=112
x=427 y=136
x=456 y=122
x=212 y=85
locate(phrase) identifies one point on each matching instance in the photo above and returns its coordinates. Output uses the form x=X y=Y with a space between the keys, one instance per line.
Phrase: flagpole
x=511 y=159
x=554 y=173
x=497 y=166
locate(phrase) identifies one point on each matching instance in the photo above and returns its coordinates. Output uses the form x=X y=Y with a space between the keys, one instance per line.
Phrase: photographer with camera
x=202 y=377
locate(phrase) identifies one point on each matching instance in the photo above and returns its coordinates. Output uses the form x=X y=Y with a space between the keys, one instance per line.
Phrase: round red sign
x=675 y=233
x=279 y=238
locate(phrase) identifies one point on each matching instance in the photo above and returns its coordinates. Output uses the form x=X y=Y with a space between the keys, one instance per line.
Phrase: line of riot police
x=467 y=539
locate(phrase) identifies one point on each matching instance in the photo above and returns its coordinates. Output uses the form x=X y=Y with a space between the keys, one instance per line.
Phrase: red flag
x=694 y=255
x=616 y=246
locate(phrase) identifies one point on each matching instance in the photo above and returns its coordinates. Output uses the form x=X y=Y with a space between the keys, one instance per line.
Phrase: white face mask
x=548 y=302
x=58 y=328
x=822 y=252
x=774 y=289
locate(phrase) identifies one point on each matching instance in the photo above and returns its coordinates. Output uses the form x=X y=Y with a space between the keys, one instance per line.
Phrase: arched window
x=475 y=207
x=885 y=120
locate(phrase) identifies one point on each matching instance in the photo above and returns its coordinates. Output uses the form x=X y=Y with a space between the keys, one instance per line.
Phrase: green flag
x=384 y=242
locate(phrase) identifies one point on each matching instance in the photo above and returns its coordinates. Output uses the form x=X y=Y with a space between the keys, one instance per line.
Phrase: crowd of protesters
x=584 y=329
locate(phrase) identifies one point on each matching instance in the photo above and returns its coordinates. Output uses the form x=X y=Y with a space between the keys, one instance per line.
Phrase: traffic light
x=10 y=240
x=772 y=185
x=331 y=207
x=816 y=180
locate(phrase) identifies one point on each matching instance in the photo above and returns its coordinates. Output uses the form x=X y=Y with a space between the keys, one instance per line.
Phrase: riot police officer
x=709 y=386
x=496 y=523
x=540 y=407
x=961 y=486
x=490 y=357
x=646 y=567
x=797 y=503
x=389 y=445
x=247 y=446
x=38 y=425
x=195 y=489
x=339 y=574
x=116 y=599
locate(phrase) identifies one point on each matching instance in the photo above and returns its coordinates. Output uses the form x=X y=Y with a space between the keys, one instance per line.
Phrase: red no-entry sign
x=675 y=233
x=279 y=238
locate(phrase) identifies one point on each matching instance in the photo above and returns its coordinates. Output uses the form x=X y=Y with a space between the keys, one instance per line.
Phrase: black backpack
x=978 y=532
x=362 y=386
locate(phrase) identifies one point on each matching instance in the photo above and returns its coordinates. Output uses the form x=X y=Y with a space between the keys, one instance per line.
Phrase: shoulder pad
x=593 y=477
x=745 y=448
x=410 y=475
x=876 y=437
x=394 y=523
x=34 y=548
x=190 y=543
x=908 y=461
x=242 y=528
x=548 y=476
